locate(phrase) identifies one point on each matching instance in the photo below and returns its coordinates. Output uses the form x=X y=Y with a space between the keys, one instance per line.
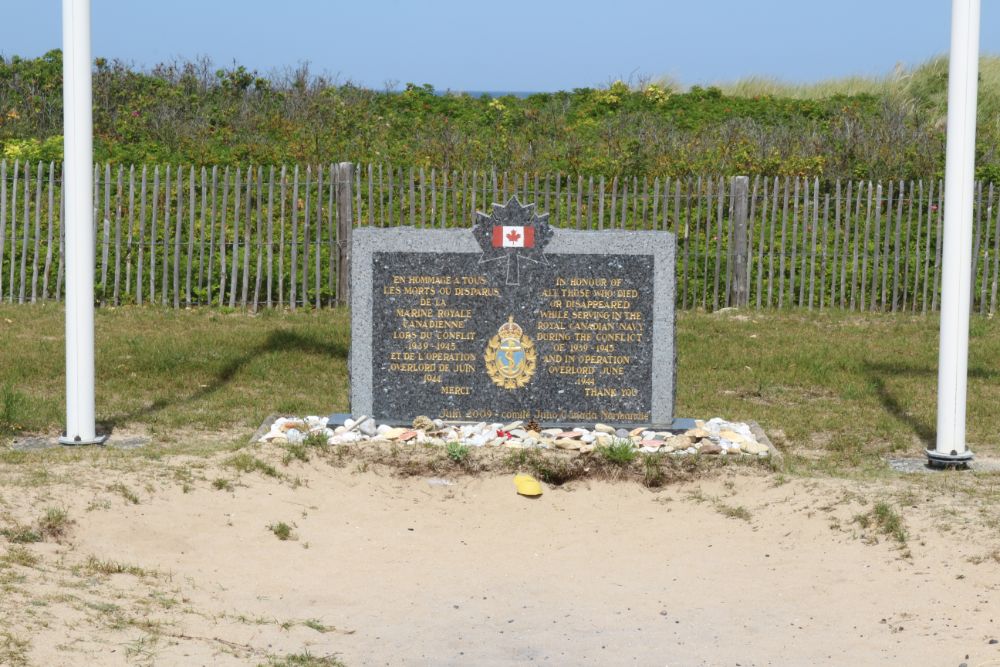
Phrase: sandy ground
x=741 y=568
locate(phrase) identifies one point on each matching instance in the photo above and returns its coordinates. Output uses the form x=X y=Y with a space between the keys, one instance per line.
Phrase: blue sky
x=519 y=45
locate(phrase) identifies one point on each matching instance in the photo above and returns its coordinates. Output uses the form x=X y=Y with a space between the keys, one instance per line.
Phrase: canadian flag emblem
x=513 y=237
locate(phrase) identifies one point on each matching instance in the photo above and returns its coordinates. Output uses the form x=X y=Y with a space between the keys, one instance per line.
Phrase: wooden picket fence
x=279 y=236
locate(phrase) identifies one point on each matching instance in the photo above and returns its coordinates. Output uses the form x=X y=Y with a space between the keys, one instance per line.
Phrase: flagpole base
x=936 y=459
x=78 y=441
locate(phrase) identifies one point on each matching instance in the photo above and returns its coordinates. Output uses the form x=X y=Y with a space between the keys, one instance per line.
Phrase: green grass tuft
x=620 y=452
x=305 y=659
x=281 y=530
x=248 y=463
x=125 y=492
x=457 y=452
x=19 y=555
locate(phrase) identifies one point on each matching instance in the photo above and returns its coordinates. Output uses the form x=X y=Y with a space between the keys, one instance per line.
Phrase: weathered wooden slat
x=381 y=198
x=423 y=201
x=557 y=202
x=637 y=222
x=357 y=194
x=200 y=286
x=984 y=281
x=686 y=235
x=917 y=245
x=50 y=232
x=804 y=254
x=905 y=289
x=760 y=246
x=863 y=288
x=223 y=263
x=371 y=196
x=579 y=200
x=666 y=205
x=318 y=241
x=344 y=232
x=813 y=239
x=793 y=262
x=269 y=285
x=846 y=244
x=784 y=235
x=257 y=276
x=856 y=286
x=624 y=212
x=27 y=237
x=884 y=300
x=835 y=261
x=257 y=238
x=795 y=222
x=97 y=209
x=189 y=259
x=444 y=198
x=129 y=238
x=37 y=234
x=164 y=260
x=247 y=210
x=929 y=280
x=293 y=241
x=897 y=229
x=770 y=245
x=614 y=201
x=61 y=235
x=976 y=230
x=936 y=289
x=433 y=189
x=413 y=215
x=211 y=237
x=390 y=211
x=656 y=203
x=234 y=251
x=331 y=233
x=468 y=213
x=473 y=191
x=118 y=236
x=153 y=224
x=709 y=184
x=729 y=240
x=996 y=262
x=3 y=217
x=178 y=235
x=590 y=202
x=739 y=288
x=600 y=204
x=281 y=236
x=305 y=234
x=106 y=233
x=245 y=278
x=751 y=228
x=13 y=232
x=881 y=249
x=822 y=271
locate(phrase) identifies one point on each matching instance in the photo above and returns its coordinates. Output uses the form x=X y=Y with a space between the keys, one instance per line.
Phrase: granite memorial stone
x=513 y=320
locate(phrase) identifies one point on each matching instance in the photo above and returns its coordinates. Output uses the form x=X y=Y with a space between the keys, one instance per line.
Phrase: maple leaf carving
x=513 y=236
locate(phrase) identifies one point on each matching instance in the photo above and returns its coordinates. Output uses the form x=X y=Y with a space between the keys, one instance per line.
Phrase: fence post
x=345 y=224
x=739 y=289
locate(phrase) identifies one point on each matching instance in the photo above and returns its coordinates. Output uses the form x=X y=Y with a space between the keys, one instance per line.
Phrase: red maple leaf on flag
x=513 y=236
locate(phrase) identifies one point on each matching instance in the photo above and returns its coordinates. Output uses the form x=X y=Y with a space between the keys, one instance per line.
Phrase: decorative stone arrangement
x=716 y=437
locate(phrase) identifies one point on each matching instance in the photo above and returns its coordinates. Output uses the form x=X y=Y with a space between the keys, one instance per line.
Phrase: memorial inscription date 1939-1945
x=522 y=327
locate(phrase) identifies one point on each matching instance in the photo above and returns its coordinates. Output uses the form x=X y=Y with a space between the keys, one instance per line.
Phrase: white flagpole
x=956 y=282
x=78 y=164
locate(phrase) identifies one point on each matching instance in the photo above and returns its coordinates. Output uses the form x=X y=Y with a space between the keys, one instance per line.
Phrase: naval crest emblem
x=510 y=356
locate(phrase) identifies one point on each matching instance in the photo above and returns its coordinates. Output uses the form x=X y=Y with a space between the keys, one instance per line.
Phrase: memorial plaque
x=513 y=320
